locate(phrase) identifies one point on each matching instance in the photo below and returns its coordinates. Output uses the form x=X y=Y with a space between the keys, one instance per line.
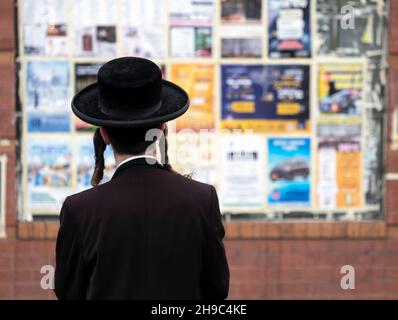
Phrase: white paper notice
x=242 y=171
x=182 y=42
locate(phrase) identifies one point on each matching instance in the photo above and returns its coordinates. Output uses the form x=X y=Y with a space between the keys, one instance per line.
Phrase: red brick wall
x=267 y=261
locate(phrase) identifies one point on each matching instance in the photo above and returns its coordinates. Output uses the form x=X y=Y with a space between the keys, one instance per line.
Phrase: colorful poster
x=194 y=154
x=85 y=74
x=47 y=96
x=44 y=27
x=241 y=41
x=94 y=28
x=191 y=25
x=289 y=31
x=272 y=99
x=340 y=93
x=289 y=174
x=143 y=26
x=241 y=170
x=198 y=81
x=241 y=11
x=49 y=172
x=339 y=172
x=86 y=161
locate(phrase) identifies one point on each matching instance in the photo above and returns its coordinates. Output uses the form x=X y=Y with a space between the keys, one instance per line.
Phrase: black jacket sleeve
x=215 y=272
x=70 y=275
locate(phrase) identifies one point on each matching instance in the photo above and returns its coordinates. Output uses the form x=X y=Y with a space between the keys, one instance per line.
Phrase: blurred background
x=293 y=118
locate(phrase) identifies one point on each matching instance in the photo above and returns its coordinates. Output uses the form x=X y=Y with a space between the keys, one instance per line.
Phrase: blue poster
x=289 y=31
x=273 y=97
x=289 y=171
x=47 y=92
x=49 y=172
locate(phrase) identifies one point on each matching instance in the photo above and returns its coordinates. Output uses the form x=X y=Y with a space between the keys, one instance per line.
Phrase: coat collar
x=141 y=162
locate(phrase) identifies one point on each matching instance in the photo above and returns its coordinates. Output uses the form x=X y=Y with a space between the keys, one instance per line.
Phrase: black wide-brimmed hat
x=130 y=92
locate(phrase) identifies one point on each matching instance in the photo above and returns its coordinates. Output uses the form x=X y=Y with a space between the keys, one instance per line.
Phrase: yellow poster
x=340 y=93
x=198 y=81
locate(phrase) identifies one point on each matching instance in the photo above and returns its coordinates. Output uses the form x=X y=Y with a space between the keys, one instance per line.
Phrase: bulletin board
x=280 y=70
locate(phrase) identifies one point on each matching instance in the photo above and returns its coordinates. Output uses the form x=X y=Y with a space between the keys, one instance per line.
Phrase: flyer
x=191 y=28
x=85 y=74
x=241 y=41
x=44 y=27
x=194 y=154
x=373 y=161
x=241 y=171
x=340 y=93
x=143 y=25
x=339 y=172
x=86 y=161
x=271 y=99
x=49 y=172
x=47 y=96
x=289 y=173
x=94 y=28
x=368 y=34
x=241 y=11
x=289 y=31
x=198 y=81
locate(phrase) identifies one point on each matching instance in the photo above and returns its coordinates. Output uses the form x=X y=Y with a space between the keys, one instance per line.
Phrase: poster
x=368 y=35
x=49 y=172
x=47 y=96
x=289 y=173
x=86 y=162
x=3 y=184
x=340 y=93
x=241 y=41
x=289 y=31
x=44 y=28
x=198 y=81
x=241 y=11
x=194 y=154
x=241 y=170
x=191 y=28
x=143 y=25
x=94 y=28
x=272 y=99
x=339 y=172
x=85 y=74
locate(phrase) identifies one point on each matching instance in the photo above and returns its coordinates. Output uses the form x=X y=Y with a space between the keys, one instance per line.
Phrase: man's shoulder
x=185 y=185
x=189 y=182
x=85 y=196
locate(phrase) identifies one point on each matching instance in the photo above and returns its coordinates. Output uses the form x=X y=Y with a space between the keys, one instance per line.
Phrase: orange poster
x=339 y=173
x=198 y=81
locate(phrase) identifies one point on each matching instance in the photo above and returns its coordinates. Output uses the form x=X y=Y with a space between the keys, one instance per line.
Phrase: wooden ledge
x=256 y=230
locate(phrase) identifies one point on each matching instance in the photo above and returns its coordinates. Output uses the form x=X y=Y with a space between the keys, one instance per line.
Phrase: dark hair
x=124 y=141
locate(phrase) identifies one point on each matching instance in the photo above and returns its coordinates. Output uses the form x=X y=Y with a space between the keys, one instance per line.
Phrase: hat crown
x=129 y=87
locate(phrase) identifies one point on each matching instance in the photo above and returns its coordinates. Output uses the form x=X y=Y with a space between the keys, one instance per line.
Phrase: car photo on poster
x=290 y=169
x=289 y=172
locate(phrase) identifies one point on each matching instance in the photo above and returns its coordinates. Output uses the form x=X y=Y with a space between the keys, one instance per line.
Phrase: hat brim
x=85 y=106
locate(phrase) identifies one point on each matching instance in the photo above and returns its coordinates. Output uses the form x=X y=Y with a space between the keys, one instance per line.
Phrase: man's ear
x=105 y=136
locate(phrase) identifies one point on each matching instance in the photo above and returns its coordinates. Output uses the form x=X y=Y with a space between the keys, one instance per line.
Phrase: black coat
x=147 y=234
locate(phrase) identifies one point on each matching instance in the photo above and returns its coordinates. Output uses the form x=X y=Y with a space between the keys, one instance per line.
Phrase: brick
x=6 y=292
x=25 y=230
x=52 y=230
x=39 y=230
